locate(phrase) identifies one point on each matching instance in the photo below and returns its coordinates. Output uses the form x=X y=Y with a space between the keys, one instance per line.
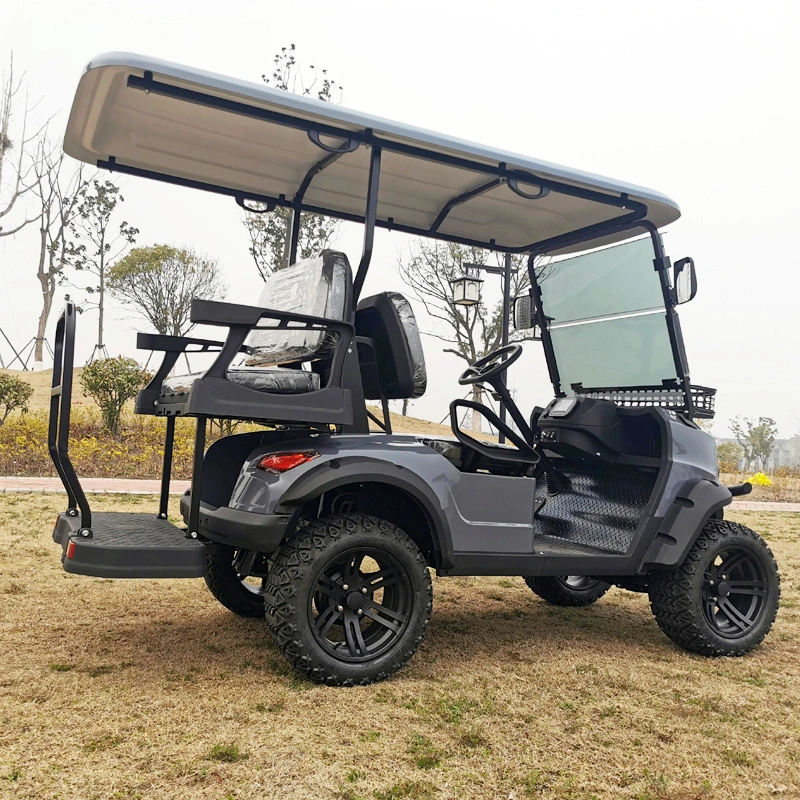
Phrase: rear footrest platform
x=125 y=545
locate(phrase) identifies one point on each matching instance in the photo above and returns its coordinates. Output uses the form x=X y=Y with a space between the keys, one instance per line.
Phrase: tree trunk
x=477 y=419
x=48 y=288
x=100 y=307
x=405 y=407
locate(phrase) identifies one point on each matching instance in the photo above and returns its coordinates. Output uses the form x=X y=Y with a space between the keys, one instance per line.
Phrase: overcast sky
x=697 y=100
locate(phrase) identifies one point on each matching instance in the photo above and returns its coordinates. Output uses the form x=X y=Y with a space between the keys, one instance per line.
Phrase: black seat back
x=393 y=362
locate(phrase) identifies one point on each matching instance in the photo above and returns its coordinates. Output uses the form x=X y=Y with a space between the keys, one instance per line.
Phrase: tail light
x=283 y=462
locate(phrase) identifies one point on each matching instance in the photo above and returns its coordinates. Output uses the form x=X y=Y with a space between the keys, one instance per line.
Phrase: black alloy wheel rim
x=578 y=583
x=361 y=604
x=734 y=592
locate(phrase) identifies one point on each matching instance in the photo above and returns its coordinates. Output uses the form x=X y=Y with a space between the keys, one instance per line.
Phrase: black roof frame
x=498 y=175
x=635 y=216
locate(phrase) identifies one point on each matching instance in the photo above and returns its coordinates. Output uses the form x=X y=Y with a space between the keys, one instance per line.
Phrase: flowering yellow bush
x=760 y=479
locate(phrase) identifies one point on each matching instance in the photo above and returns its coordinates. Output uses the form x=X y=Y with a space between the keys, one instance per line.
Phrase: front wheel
x=568 y=590
x=723 y=599
x=348 y=599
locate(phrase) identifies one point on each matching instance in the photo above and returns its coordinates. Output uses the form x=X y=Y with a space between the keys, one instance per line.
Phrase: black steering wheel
x=491 y=365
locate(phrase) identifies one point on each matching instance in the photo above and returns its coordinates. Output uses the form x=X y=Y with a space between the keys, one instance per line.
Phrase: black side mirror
x=684 y=281
x=523 y=318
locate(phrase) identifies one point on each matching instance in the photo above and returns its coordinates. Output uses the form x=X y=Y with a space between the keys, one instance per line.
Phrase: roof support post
x=370 y=216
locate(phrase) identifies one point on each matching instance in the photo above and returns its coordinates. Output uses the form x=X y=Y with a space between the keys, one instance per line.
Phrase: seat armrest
x=173 y=344
x=213 y=312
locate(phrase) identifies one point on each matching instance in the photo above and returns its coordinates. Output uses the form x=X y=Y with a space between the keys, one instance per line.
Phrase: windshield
x=607 y=320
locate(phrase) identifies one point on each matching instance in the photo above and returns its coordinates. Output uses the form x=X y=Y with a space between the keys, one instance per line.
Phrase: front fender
x=697 y=500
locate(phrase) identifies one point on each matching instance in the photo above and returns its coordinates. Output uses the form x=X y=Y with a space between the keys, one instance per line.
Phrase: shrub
x=111 y=382
x=760 y=479
x=14 y=393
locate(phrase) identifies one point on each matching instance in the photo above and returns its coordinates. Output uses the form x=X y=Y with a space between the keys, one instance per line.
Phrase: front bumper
x=241 y=529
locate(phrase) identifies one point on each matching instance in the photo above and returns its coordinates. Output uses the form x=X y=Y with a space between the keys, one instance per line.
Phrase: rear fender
x=337 y=471
x=694 y=504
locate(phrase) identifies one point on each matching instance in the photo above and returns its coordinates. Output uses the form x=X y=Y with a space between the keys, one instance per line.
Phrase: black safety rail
x=60 y=408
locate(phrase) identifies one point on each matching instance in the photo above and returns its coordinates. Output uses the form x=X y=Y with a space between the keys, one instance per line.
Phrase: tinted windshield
x=606 y=318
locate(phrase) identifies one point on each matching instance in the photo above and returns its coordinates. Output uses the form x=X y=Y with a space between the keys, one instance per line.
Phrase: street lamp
x=467 y=288
x=466 y=292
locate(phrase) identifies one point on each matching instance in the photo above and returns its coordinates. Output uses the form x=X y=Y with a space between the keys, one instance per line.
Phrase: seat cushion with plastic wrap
x=279 y=381
x=320 y=286
x=396 y=368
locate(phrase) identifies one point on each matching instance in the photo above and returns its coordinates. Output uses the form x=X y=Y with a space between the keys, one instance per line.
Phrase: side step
x=125 y=545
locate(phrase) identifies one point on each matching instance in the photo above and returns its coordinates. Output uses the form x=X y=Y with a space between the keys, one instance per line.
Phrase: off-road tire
x=291 y=588
x=677 y=600
x=226 y=584
x=559 y=593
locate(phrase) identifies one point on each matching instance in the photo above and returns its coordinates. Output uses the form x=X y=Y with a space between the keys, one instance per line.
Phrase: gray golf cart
x=334 y=529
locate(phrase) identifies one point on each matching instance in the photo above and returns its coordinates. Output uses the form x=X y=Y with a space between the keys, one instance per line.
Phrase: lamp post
x=466 y=292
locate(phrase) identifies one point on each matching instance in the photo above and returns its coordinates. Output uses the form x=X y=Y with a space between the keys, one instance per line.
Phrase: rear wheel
x=242 y=594
x=723 y=599
x=568 y=590
x=348 y=599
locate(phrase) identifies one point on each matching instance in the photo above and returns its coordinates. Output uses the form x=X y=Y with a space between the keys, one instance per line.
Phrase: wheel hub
x=354 y=601
x=723 y=589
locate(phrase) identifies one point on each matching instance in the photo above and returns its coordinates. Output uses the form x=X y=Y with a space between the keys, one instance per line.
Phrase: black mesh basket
x=671 y=398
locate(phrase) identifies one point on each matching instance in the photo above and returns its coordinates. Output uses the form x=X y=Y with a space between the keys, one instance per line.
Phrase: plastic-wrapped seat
x=317 y=286
x=294 y=340
x=390 y=348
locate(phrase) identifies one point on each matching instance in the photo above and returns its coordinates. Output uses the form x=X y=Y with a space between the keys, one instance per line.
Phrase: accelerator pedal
x=125 y=545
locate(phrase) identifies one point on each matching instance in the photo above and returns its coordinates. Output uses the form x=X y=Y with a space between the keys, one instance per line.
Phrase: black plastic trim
x=694 y=504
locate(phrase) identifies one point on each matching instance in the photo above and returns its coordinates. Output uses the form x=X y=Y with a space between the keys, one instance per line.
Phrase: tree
x=14 y=172
x=101 y=245
x=159 y=282
x=474 y=330
x=111 y=382
x=60 y=193
x=14 y=393
x=728 y=455
x=270 y=231
x=755 y=438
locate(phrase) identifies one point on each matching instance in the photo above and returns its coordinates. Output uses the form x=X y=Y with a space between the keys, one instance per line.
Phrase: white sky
x=697 y=100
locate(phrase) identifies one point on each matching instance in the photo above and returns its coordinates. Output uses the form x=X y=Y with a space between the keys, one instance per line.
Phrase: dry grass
x=148 y=689
x=42 y=381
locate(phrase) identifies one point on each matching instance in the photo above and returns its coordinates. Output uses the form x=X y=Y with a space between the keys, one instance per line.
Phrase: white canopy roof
x=145 y=116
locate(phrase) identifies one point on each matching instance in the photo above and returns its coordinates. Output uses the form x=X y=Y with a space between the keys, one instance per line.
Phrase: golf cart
x=332 y=529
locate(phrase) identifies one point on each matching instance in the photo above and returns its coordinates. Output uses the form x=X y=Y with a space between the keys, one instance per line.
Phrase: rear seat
x=318 y=286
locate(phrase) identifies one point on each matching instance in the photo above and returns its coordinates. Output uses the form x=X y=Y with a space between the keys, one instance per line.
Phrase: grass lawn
x=114 y=689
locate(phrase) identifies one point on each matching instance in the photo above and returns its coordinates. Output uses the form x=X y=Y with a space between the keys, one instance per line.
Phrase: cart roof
x=143 y=116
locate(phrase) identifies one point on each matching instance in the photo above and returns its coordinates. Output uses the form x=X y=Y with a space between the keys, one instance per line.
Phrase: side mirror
x=684 y=281
x=523 y=319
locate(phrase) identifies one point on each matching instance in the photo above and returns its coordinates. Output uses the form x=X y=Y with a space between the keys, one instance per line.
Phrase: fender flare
x=696 y=501
x=338 y=471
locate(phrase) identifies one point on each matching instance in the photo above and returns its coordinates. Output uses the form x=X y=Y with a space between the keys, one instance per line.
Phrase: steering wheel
x=491 y=365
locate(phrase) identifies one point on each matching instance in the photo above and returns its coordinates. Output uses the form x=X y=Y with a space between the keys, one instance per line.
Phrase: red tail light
x=71 y=549
x=282 y=462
